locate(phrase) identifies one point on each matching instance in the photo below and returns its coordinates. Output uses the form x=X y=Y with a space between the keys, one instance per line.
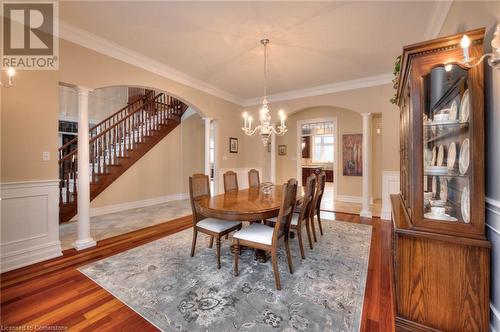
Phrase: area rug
x=175 y=292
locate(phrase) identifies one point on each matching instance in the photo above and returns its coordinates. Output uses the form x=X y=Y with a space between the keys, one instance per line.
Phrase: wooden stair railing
x=115 y=144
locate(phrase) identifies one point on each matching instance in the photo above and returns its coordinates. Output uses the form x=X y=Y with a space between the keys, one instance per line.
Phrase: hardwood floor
x=54 y=293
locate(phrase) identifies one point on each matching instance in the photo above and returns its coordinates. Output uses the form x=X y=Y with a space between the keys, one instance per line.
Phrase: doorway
x=317 y=151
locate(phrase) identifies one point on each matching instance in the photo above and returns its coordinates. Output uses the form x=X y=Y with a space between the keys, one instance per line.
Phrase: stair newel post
x=83 y=196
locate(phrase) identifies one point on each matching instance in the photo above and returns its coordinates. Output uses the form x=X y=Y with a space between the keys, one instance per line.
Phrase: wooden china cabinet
x=440 y=253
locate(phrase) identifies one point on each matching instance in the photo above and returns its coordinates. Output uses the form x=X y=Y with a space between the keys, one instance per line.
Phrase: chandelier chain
x=265 y=70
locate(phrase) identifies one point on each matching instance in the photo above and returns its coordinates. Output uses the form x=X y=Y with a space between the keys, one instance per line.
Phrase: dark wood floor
x=55 y=293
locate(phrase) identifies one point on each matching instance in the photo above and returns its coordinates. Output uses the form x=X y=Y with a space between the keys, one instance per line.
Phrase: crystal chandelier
x=265 y=127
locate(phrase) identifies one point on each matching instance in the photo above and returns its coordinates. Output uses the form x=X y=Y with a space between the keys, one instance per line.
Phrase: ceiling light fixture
x=493 y=58
x=265 y=127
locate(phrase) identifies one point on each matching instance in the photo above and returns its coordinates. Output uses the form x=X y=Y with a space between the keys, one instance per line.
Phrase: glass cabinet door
x=446 y=144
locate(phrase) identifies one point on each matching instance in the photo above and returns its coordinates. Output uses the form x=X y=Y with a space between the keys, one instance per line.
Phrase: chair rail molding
x=390 y=185
x=30 y=223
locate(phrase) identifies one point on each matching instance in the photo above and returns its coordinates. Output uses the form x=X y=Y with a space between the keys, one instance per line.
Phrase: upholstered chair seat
x=257 y=233
x=217 y=225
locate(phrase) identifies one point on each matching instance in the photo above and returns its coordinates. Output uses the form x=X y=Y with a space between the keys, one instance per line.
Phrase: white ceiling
x=217 y=43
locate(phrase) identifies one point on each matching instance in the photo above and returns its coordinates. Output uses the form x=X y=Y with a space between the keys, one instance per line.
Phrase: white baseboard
x=352 y=199
x=32 y=255
x=390 y=185
x=99 y=211
x=30 y=223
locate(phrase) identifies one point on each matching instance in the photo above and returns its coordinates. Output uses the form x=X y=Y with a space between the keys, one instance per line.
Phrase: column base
x=366 y=214
x=84 y=244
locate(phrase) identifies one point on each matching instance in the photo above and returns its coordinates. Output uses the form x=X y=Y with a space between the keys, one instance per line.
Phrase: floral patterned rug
x=178 y=293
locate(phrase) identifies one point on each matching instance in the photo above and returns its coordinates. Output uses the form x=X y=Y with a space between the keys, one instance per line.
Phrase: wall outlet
x=45 y=156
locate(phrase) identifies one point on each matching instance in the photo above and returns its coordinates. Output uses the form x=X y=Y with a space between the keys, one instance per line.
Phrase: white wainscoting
x=493 y=234
x=241 y=172
x=30 y=223
x=390 y=185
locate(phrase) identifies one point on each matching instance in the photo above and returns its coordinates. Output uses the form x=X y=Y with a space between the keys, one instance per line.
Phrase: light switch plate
x=46 y=156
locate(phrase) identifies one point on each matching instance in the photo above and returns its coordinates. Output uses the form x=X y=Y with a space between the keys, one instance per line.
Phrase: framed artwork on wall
x=233 y=145
x=282 y=150
x=352 y=160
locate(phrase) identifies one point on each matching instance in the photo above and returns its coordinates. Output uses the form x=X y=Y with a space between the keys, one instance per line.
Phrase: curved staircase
x=115 y=144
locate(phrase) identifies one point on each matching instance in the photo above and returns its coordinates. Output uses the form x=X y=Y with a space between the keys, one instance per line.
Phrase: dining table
x=251 y=205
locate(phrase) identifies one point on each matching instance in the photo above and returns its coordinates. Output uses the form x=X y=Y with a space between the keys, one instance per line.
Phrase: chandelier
x=265 y=127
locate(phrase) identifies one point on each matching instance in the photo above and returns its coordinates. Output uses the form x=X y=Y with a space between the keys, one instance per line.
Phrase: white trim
x=335 y=149
x=29 y=256
x=35 y=206
x=493 y=205
x=86 y=39
x=390 y=185
x=495 y=316
x=352 y=199
x=359 y=83
x=437 y=18
x=28 y=184
x=99 y=211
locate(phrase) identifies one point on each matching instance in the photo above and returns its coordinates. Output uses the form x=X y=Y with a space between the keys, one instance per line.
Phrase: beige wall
x=29 y=113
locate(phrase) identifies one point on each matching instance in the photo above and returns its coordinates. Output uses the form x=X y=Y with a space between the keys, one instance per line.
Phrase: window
x=323 y=148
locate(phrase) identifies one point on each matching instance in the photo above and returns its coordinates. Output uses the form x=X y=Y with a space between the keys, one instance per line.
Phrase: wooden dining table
x=246 y=205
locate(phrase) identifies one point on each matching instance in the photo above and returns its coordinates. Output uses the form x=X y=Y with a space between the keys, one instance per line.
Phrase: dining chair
x=199 y=188
x=260 y=236
x=316 y=208
x=253 y=178
x=301 y=217
x=230 y=181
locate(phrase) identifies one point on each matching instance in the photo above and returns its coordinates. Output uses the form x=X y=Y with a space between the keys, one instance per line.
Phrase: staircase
x=115 y=144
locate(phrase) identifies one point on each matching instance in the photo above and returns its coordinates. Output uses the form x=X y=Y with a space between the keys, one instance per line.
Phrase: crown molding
x=438 y=16
x=359 y=83
x=86 y=39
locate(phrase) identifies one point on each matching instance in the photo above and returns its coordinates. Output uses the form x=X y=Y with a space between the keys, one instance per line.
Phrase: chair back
x=253 y=178
x=319 y=193
x=230 y=181
x=289 y=198
x=199 y=188
x=308 y=200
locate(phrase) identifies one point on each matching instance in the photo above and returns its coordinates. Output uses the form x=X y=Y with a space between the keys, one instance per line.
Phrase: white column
x=84 y=239
x=207 y=145
x=367 y=165
x=273 y=159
